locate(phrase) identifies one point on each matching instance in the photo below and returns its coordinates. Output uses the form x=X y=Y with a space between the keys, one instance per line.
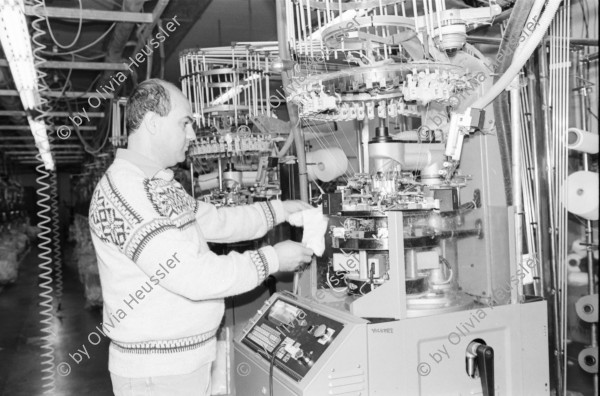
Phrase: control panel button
x=320 y=331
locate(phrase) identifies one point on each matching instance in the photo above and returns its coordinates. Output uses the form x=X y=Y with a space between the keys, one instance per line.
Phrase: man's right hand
x=292 y=254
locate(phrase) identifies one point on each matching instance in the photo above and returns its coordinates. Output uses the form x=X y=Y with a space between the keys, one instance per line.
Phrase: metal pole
x=365 y=145
x=536 y=181
x=220 y=173
x=517 y=198
x=359 y=152
x=589 y=231
x=552 y=282
x=284 y=53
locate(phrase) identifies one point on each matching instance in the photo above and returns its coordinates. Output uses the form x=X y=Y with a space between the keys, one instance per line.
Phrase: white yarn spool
x=326 y=164
x=577 y=278
x=583 y=141
x=582 y=194
x=573 y=261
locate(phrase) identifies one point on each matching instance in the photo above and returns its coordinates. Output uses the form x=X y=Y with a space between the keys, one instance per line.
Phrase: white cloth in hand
x=315 y=226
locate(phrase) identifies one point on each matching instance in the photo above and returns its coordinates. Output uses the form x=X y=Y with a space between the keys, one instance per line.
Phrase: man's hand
x=294 y=206
x=292 y=254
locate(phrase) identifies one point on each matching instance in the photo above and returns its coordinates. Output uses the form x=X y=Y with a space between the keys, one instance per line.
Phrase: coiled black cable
x=45 y=275
x=58 y=275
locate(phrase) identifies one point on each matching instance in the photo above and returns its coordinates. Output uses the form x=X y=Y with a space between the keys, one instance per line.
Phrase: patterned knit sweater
x=163 y=288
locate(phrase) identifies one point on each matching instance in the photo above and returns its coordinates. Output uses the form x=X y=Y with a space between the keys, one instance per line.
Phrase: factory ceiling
x=84 y=47
x=89 y=50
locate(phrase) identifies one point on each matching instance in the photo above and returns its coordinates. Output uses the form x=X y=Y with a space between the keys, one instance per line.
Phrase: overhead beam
x=57 y=161
x=54 y=154
x=11 y=113
x=31 y=154
x=28 y=128
x=53 y=146
x=95 y=15
x=30 y=137
x=30 y=159
x=56 y=94
x=34 y=153
x=84 y=65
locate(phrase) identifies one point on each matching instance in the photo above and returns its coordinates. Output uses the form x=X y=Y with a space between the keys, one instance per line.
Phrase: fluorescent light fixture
x=16 y=43
x=48 y=161
x=40 y=135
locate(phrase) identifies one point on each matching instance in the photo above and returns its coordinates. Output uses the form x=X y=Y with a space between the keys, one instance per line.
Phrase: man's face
x=175 y=130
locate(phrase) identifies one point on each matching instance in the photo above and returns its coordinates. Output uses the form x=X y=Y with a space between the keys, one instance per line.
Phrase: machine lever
x=480 y=361
x=485 y=365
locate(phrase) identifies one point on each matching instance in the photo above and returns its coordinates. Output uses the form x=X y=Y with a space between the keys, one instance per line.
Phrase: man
x=163 y=288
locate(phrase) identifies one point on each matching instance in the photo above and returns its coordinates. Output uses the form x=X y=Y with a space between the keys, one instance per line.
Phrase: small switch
x=326 y=337
x=320 y=331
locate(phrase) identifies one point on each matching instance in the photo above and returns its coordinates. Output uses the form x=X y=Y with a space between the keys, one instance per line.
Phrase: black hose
x=272 y=366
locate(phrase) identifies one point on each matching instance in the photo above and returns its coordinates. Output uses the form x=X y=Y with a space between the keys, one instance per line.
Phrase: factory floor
x=73 y=328
x=20 y=338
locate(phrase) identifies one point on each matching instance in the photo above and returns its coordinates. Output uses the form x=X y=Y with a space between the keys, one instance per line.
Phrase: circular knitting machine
x=228 y=88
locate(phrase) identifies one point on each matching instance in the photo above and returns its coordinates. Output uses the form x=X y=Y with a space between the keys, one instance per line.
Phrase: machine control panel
x=296 y=335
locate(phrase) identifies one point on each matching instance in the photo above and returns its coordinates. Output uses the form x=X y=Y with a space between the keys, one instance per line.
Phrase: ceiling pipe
x=121 y=33
x=145 y=32
x=120 y=40
x=88 y=14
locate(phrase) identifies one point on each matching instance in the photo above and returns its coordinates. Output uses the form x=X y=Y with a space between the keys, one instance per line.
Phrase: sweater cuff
x=266 y=262
x=274 y=212
x=270 y=255
x=278 y=209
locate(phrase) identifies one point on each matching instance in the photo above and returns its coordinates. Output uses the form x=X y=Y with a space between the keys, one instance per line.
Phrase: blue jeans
x=196 y=383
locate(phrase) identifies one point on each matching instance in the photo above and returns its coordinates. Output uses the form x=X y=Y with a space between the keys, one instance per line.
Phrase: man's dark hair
x=150 y=95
